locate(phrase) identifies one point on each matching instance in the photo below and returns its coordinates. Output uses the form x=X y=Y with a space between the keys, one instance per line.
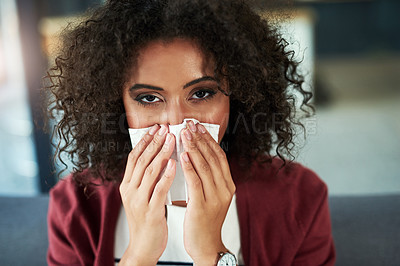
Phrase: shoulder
x=68 y=197
x=292 y=190
x=291 y=178
x=81 y=221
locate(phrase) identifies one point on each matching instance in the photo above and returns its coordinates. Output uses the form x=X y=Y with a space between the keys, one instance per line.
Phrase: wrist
x=208 y=258
x=125 y=260
x=211 y=261
x=129 y=258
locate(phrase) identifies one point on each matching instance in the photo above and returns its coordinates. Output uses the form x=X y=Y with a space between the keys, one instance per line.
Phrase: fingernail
x=201 y=128
x=153 y=129
x=169 y=165
x=188 y=135
x=192 y=126
x=162 y=130
x=185 y=157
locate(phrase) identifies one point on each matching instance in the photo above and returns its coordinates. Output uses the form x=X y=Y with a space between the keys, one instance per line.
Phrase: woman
x=138 y=64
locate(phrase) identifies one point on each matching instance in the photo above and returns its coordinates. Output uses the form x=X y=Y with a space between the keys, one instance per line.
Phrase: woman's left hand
x=210 y=188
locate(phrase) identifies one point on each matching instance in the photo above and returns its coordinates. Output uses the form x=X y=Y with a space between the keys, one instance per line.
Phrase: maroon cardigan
x=283 y=217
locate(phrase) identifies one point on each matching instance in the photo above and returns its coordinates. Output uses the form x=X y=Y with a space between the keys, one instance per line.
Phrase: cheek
x=223 y=126
x=220 y=115
x=139 y=117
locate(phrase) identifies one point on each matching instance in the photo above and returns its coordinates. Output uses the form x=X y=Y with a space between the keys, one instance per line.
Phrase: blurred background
x=351 y=58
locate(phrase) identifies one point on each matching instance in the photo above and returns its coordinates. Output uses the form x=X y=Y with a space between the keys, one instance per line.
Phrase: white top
x=175 y=250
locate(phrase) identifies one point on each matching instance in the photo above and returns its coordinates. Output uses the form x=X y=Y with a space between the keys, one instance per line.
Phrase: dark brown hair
x=89 y=73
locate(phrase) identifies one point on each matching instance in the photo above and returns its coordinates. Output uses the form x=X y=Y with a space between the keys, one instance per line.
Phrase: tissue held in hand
x=178 y=190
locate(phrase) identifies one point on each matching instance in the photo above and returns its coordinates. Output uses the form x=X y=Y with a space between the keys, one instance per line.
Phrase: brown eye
x=200 y=94
x=147 y=99
x=203 y=94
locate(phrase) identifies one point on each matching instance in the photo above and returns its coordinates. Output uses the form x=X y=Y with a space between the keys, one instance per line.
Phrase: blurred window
x=18 y=165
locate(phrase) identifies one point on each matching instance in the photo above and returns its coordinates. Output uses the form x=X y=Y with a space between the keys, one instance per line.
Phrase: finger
x=153 y=171
x=195 y=186
x=205 y=149
x=161 y=189
x=200 y=164
x=148 y=155
x=204 y=145
x=221 y=156
x=136 y=152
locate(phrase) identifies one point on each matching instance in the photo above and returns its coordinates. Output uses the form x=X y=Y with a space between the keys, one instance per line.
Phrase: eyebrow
x=190 y=83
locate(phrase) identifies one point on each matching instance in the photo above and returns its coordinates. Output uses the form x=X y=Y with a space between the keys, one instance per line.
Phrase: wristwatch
x=226 y=259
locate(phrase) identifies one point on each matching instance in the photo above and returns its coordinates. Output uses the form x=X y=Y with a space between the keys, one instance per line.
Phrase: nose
x=174 y=114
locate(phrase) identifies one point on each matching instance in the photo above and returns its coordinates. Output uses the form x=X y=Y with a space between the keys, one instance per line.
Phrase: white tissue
x=178 y=190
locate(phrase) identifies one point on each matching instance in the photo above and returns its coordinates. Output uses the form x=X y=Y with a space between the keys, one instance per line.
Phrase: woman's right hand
x=143 y=196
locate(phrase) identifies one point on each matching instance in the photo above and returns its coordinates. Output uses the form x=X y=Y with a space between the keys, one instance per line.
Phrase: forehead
x=177 y=57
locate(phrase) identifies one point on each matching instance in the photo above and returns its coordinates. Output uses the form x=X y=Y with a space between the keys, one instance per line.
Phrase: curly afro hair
x=89 y=73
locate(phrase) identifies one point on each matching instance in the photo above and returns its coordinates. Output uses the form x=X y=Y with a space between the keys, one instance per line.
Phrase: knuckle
x=167 y=174
x=166 y=148
x=212 y=159
x=227 y=198
x=157 y=141
x=159 y=189
x=233 y=188
x=149 y=170
x=196 y=183
x=220 y=153
x=132 y=155
x=141 y=160
x=205 y=167
x=126 y=196
x=122 y=189
x=196 y=137
x=144 y=141
x=147 y=138
x=201 y=145
x=187 y=165
x=192 y=146
x=126 y=173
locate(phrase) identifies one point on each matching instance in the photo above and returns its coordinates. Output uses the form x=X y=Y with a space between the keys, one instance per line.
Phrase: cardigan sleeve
x=284 y=216
x=60 y=251
x=81 y=224
x=317 y=247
